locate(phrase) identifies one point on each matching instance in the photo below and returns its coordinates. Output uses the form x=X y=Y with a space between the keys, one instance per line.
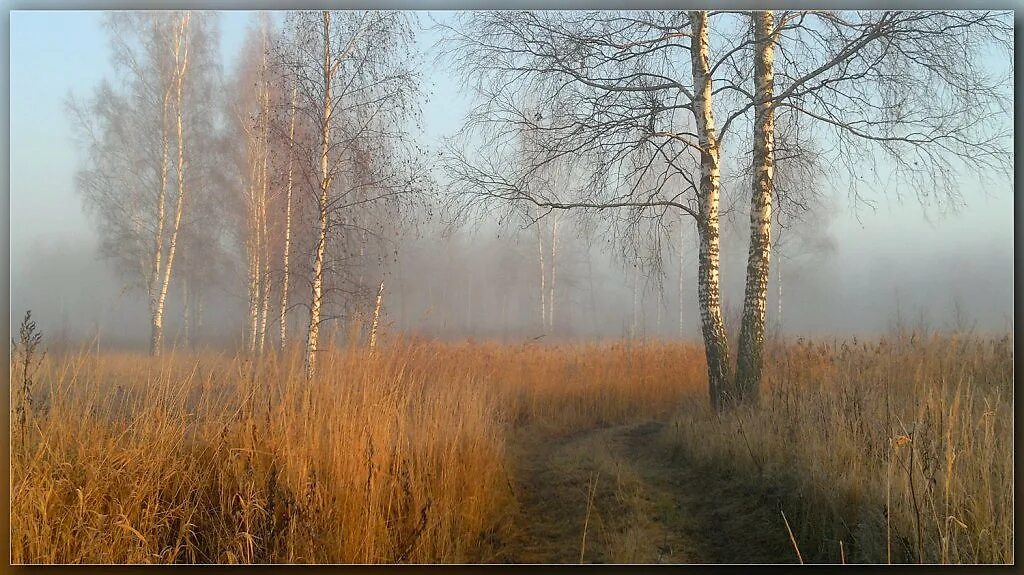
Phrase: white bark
x=153 y=281
x=181 y=66
x=751 y=343
x=716 y=345
x=288 y=222
x=376 y=317
x=262 y=213
x=252 y=245
x=316 y=300
x=253 y=242
x=257 y=237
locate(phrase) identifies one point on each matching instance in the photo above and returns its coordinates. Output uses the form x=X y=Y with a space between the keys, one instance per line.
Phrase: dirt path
x=648 y=506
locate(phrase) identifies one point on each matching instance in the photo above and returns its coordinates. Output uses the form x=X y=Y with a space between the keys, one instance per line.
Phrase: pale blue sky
x=894 y=249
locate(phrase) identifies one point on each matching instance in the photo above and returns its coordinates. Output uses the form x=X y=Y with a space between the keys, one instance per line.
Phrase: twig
x=590 y=505
x=791 y=538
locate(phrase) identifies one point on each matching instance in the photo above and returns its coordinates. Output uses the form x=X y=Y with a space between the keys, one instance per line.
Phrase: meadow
x=897 y=449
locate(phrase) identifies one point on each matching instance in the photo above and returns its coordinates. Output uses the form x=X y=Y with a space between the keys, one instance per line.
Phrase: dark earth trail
x=648 y=505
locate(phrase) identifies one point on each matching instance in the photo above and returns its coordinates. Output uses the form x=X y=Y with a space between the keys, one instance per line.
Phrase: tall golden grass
x=894 y=450
x=404 y=456
x=392 y=458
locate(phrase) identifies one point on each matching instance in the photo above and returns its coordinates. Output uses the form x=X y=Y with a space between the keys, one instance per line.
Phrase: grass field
x=900 y=449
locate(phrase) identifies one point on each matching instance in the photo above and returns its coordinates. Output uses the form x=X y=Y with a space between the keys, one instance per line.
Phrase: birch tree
x=891 y=96
x=137 y=139
x=905 y=98
x=355 y=82
x=255 y=119
x=751 y=339
x=180 y=66
x=620 y=105
x=287 y=247
x=708 y=292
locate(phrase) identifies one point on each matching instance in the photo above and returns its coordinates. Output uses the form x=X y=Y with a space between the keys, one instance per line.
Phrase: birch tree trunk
x=716 y=342
x=265 y=252
x=376 y=317
x=181 y=65
x=252 y=242
x=751 y=343
x=325 y=183
x=264 y=279
x=287 y=223
x=156 y=334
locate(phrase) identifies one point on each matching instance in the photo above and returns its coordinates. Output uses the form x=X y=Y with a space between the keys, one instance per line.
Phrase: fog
x=484 y=283
x=852 y=269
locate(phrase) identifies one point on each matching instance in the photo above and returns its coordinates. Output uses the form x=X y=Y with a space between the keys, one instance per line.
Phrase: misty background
x=852 y=270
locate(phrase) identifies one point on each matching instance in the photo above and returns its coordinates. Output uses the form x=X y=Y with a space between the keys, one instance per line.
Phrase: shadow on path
x=648 y=505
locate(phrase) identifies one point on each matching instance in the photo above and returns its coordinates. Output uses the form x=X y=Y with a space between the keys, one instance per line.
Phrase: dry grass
x=406 y=456
x=570 y=388
x=210 y=458
x=213 y=459
x=917 y=429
